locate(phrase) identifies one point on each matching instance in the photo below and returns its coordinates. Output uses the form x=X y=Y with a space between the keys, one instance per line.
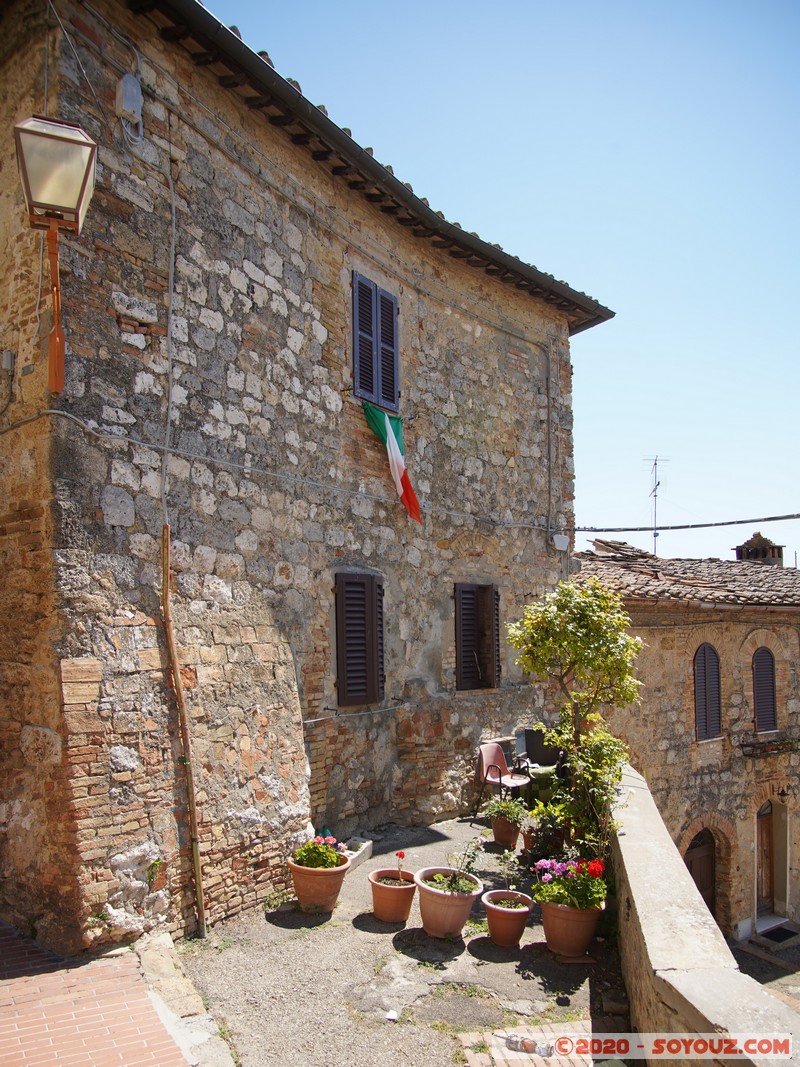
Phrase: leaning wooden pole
x=183 y=719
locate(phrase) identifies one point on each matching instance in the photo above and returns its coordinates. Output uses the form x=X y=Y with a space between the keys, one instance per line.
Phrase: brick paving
x=490 y=1049
x=77 y=1013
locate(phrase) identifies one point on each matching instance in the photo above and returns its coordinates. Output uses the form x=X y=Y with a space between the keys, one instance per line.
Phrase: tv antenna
x=655 y=460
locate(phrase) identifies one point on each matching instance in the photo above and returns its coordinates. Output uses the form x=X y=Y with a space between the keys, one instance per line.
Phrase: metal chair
x=494 y=771
x=544 y=763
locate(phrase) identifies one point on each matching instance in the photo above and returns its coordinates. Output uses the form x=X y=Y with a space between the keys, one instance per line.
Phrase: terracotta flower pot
x=506 y=925
x=569 y=931
x=317 y=888
x=444 y=914
x=392 y=903
x=505 y=832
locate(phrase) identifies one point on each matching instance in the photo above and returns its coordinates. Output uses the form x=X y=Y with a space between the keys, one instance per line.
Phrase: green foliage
x=152 y=871
x=513 y=810
x=320 y=852
x=586 y=797
x=578 y=636
x=509 y=868
x=462 y=864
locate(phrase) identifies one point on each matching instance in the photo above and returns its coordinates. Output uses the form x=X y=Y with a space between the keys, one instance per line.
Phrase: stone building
x=246 y=277
x=716 y=732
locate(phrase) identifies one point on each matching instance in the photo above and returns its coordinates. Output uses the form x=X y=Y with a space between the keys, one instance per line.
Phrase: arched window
x=764 y=689
x=707 y=702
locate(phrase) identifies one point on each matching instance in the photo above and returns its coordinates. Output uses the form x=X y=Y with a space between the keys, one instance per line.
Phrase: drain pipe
x=183 y=718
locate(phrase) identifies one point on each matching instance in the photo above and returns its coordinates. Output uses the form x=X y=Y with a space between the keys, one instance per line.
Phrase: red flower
x=400 y=855
x=596 y=868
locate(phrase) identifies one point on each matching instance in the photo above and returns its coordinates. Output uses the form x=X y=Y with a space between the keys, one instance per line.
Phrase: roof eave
x=581 y=311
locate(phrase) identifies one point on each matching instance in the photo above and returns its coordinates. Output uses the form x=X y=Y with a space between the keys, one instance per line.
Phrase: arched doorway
x=700 y=858
x=765 y=861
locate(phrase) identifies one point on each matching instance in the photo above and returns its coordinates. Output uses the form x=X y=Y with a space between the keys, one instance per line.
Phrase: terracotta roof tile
x=639 y=575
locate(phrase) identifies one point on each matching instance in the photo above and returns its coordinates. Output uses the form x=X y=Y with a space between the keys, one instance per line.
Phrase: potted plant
x=571 y=894
x=446 y=894
x=393 y=892
x=506 y=816
x=318 y=869
x=544 y=830
x=507 y=910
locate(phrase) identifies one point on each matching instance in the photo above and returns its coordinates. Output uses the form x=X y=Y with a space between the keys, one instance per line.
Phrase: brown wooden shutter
x=764 y=689
x=707 y=697
x=468 y=674
x=359 y=639
x=477 y=636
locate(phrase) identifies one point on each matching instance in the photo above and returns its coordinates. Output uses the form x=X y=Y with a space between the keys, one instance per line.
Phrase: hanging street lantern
x=56 y=166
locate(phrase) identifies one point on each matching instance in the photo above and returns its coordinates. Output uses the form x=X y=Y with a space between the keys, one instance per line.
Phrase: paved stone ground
x=322 y=990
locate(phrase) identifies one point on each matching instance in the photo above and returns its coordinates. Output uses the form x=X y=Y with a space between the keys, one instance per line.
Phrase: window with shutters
x=359 y=639
x=375 y=351
x=477 y=636
x=764 y=689
x=707 y=699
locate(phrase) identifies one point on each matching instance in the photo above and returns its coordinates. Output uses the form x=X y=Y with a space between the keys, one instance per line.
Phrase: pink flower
x=319 y=840
x=330 y=840
x=547 y=878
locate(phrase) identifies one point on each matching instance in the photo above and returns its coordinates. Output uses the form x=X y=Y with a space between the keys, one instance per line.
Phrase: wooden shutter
x=489 y=629
x=364 y=339
x=467 y=662
x=376 y=359
x=359 y=639
x=707 y=698
x=477 y=636
x=380 y=676
x=388 y=363
x=764 y=689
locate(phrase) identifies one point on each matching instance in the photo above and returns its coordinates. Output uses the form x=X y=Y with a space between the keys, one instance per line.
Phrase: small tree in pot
x=578 y=636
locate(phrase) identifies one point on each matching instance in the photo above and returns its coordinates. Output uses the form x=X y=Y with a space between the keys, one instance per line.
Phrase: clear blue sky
x=647 y=154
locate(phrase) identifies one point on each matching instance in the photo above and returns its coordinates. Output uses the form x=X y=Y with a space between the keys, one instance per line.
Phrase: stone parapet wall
x=679 y=973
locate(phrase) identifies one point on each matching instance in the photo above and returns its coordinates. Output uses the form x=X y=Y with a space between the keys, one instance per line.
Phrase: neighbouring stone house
x=247 y=275
x=716 y=732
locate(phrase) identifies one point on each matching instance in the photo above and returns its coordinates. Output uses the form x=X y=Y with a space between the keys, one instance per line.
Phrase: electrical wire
x=69 y=41
x=684 y=526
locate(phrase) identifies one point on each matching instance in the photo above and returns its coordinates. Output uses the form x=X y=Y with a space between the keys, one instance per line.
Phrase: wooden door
x=765 y=887
x=700 y=858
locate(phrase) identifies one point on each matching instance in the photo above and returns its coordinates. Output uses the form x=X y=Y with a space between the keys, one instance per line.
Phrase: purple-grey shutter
x=707 y=696
x=376 y=359
x=364 y=339
x=764 y=689
x=388 y=363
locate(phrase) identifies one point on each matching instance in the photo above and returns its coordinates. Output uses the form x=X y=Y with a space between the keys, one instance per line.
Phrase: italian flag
x=389 y=428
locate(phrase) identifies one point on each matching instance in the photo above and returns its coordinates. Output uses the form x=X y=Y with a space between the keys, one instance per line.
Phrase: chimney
x=760 y=549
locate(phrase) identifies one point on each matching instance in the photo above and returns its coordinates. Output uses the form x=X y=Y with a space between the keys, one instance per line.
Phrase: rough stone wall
x=712 y=784
x=273 y=482
x=39 y=864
